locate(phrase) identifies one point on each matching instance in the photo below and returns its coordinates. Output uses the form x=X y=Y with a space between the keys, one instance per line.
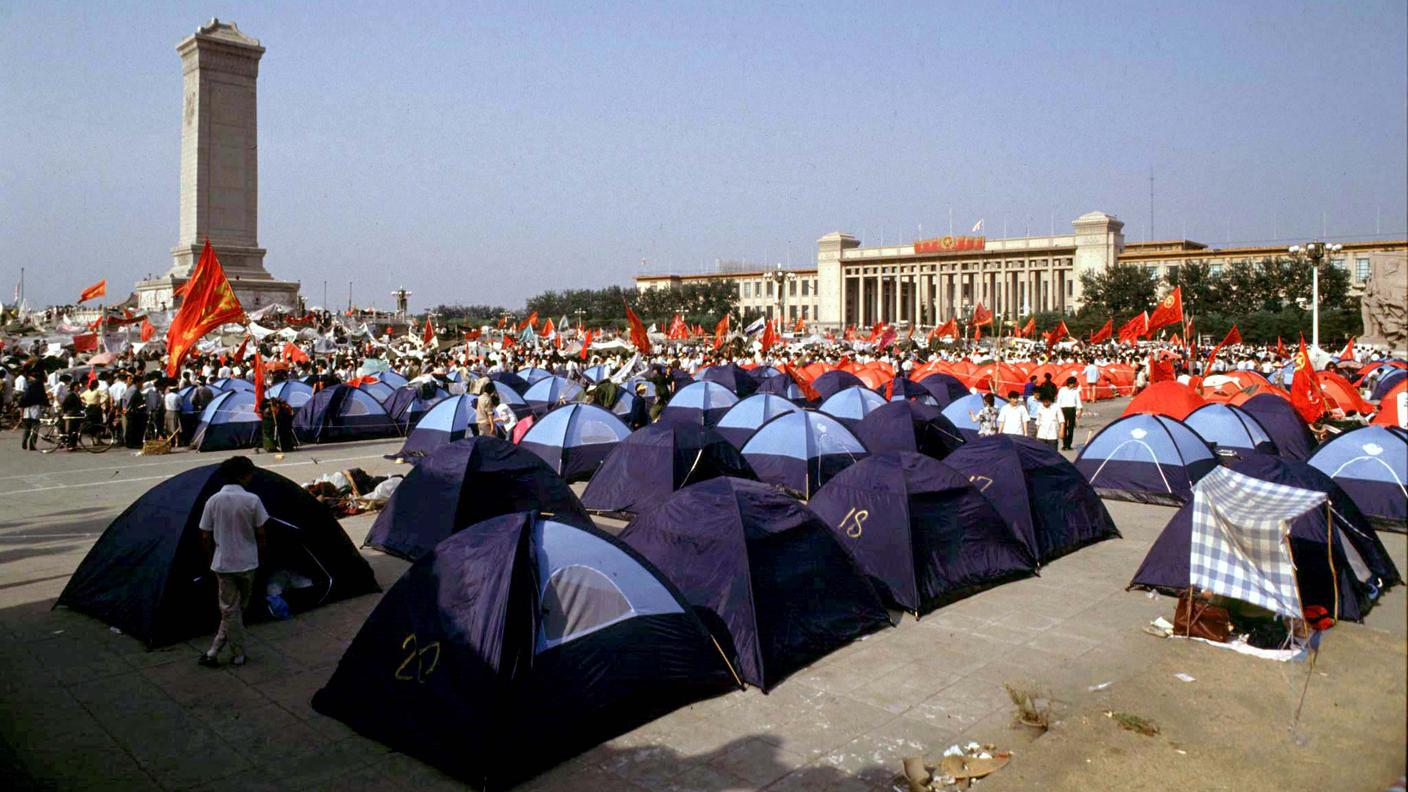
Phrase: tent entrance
x=291 y=571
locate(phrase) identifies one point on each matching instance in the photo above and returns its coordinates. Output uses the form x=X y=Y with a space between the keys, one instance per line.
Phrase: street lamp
x=780 y=277
x=1314 y=251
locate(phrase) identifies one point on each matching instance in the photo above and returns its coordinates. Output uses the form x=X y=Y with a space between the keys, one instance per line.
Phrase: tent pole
x=720 y=649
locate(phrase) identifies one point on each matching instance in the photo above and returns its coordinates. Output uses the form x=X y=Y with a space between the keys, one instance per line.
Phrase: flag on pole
x=978 y=226
x=1280 y=348
x=1133 y=330
x=755 y=326
x=428 y=334
x=1103 y=334
x=1306 y=395
x=259 y=379
x=769 y=337
x=99 y=289
x=1233 y=337
x=949 y=328
x=531 y=321
x=639 y=337
x=1056 y=334
x=148 y=331
x=1169 y=310
x=292 y=354
x=678 y=329
x=586 y=344
x=1348 y=352
x=548 y=331
x=209 y=303
x=720 y=332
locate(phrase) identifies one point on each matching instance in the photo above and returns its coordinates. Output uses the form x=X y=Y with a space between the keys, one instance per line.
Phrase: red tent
x=1388 y=406
x=1338 y=390
x=1169 y=397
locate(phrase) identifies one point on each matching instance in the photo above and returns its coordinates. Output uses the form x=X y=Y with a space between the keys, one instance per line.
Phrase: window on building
x=1153 y=273
x=805 y=312
x=770 y=288
x=792 y=288
x=792 y=312
x=1172 y=271
x=1361 y=269
x=1215 y=270
x=1340 y=263
x=769 y=313
x=806 y=287
x=747 y=290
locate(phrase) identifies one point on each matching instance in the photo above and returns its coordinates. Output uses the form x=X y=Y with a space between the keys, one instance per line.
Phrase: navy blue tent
x=645 y=468
x=699 y=403
x=149 y=575
x=341 y=413
x=449 y=420
x=1362 y=566
x=1146 y=458
x=945 y=388
x=232 y=383
x=295 y=393
x=911 y=426
x=783 y=385
x=761 y=373
x=393 y=378
x=228 y=422
x=1232 y=432
x=920 y=530
x=850 y=405
x=1037 y=491
x=1371 y=464
x=462 y=483
x=1281 y=421
x=904 y=388
x=380 y=391
x=596 y=373
x=574 y=439
x=960 y=413
x=517 y=383
x=771 y=581
x=744 y=418
x=516 y=644
x=1387 y=382
x=409 y=404
x=830 y=382
x=548 y=392
x=802 y=450
x=731 y=376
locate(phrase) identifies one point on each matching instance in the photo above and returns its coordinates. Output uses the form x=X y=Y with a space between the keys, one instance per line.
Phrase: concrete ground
x=85 y=708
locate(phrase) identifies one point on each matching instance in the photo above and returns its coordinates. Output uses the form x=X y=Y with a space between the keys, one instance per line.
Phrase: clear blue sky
x=485 y=152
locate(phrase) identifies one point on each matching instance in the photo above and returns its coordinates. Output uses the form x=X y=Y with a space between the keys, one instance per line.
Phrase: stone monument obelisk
x=220 y=170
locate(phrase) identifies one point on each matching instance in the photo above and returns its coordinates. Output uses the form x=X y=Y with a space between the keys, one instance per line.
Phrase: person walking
x=232 y=531
x=1048 y=424
x=1071 y=406
x=986 y=418
x=172 y=407
x=32 y=401
x=484 y=406
x=1013 y=418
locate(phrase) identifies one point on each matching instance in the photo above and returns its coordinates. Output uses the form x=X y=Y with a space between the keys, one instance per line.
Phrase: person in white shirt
x=1013 y=417
x=1069 y=403
x=1049 y=423
x=505 y=420
x=1092 y=378
x=232 y=531
x=172 y=408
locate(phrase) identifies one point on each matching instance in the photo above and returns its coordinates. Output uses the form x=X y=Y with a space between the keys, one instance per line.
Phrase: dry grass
x=1033 y=709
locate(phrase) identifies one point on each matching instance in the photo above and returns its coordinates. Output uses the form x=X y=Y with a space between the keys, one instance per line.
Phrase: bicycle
x=95 y=437
x=10 y=417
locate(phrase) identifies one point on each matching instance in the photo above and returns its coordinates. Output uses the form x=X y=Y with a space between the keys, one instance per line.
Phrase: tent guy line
x=159 y=478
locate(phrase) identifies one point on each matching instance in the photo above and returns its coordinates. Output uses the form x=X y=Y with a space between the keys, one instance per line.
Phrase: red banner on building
x=950 y=244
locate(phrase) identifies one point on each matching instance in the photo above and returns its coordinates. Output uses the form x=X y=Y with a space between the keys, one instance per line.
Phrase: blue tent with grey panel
x=744 y=418
x=381 y=391
x=783 y=385
x=766 y=574
x=149 y=575
x=295 y=393
x=1146 y=458
x=340 y=414
x=1282 y=423
x=409 y=404
x=960 y=413
x=850 y=405
x=462 y=483
x=829 y=383
x=532 y=374
x=227 y=423
x=945 y=388
x=1371 y=464
x=574 y=439
x=701 y=403
x=517 y=643
x=647 y=467
x=732 y=376
x=232 y=383
x=551 y=391
x=802 y=450
x=1231 y=431
x=909 y=425
x=449 y=420
x=920 y=530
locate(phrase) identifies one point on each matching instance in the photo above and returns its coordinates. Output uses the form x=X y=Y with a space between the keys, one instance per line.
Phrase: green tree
x=1119 y=291
x=1200 y=286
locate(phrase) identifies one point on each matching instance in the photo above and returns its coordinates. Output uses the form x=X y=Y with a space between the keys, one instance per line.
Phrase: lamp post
x=781 y=277
x=1314 y=251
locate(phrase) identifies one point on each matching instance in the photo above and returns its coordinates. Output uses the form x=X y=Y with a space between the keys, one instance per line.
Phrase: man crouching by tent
x=232 y=530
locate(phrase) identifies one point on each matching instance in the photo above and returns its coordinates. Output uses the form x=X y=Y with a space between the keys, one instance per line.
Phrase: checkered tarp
x=1239 y=548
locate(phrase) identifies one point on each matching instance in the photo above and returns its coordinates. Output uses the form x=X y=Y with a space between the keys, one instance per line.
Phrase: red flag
x=258 y=380
x=720 y=332
x=1056 y=334
x=1103 y=334
x=1135 y=329
x=509 y=342
x=639 y=337
x=800 y=326
x=1028 y=328
x=875 y=331
x=503 y=320
x=1160 y=370
x=1169 y=310
x=473 y=335
x=769 y=337
x=849 y=334
x=531 y=321
x=1280 y=348
x=239 y=352
x=678 y=329
x=1306 y=396
x=208 y=303
x=886 y=338
x=981 y=316
x=292 y=354
x=428 y=334
x=148 y=331
x=548 y=329
x=1348 y=352
x=99 y=289
x=949 y=328
x=586 y=344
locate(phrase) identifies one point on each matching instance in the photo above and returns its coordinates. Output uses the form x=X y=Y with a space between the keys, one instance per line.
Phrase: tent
x=548 y=392
x=295 y=393
x=744 y=418
x=516 y=644
x=1168 y=397
x=699 y=403
x=379 y=390
x=960 y=413
x=920 y=530
x=232 y=383
x=1231 y=431
x=449 y=420
x=1391 y=379
x=909 y=426
x=1146 y=458
x=1339 y=392
x=761 y=373
x=149 y=576
x=228 y=422
x=772 y=582
x=1335 y=575
x=392 y=378
x=462 y=483
x=902 y=388
x=341 y=413
x=850 y=405
x=784 y=386
x=945 y=388
x=1040 y=494
x=731 y=376
x=645 y=468
x=1281 y=421
x=802 y=450
x=574 y=439
x=409 y=404
x=532 y=375
x=1371 y=464
x=596 y=373
x=1391 y=408
x=513 y=381
x=827 y=384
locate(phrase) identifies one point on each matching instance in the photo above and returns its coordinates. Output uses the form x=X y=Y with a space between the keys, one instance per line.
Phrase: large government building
x=930 y=281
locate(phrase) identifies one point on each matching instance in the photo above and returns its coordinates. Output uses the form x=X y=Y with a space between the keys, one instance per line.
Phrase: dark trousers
x=1069 y=432
x=30 y=436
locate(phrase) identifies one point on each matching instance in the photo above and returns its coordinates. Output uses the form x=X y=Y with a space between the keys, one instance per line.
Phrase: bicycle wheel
x=96 y=438
x=50 y=436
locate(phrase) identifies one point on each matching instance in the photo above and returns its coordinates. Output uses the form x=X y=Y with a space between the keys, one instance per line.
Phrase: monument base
x=253 y=293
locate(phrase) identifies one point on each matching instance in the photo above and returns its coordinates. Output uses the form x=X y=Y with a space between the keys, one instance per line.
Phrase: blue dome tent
x=699 y=403
x=1146 y=458
x=596 y=373
x=775 y=587
x=1283 y=424
x=904 y=388
x=449 y=420
x=1371 y=464
x=1231 y=431
x=232 y=383
x=647 y=467
x=409 y=404
x=911 y=426
x=574 y=439
x=465 y=482
x=828 y=383
x=339 y=414
x=850 y=405
x=517 y=383
x=549 y=392
x=802 y=450
x=393 y=378
x=380 y=391
x=518 y=643
x=1386 y=383
x=783 y=385
x=294 y=392
x=960 y=413
x=227 y=423
x=731 y=376
x=744 y=418
x=531 y=375
x=945 y=388
x=920 y=530
x=761 y=373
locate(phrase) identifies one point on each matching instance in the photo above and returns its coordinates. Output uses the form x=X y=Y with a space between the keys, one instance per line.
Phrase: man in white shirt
x=1049 y=423
x=232 y=530
x=1013 y=417
x=1092 y=378
x=1069 y=403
